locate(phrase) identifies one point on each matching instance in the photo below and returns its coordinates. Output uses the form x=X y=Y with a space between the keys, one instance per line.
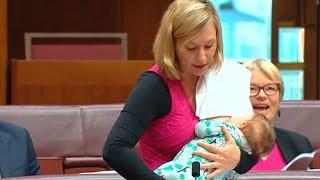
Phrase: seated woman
x=266 y=93
x=255 y=136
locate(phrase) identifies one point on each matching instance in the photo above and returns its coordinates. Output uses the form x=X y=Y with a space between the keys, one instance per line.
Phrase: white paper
x=307 y=156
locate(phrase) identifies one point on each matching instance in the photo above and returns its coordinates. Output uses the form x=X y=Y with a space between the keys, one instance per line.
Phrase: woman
x=160 y=112
x=266 y=93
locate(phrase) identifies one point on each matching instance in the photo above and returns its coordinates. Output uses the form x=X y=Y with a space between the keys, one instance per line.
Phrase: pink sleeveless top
x=167 y=135
x=274 y=162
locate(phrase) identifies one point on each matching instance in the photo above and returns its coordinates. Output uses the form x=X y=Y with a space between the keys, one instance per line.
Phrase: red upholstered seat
x=77 y=52
x=76 y=46
x=70 y=139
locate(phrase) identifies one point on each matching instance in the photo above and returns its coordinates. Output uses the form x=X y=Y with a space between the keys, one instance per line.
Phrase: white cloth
x=225 y=92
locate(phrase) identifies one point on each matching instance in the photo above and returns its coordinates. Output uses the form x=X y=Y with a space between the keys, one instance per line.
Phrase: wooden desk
x=73 y=82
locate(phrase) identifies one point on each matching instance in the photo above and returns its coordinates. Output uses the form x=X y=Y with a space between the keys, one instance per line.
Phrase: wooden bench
x=74 y=82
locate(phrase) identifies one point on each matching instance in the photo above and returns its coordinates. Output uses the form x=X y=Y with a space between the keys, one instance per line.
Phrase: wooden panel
x=318 y=61
x=310 y=21
x=50 y=165
x=74 y=82
x=300 y=13
x=58 y=16
x=281 y=18
x=3 y=51
x=141 y=19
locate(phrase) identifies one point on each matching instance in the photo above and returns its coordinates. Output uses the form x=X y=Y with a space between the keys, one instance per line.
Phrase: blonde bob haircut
x=184 y=19
x=268 y=69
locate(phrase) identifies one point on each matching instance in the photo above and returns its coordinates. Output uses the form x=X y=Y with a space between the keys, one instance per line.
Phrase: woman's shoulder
x=286 y=132
x=152 y=79
x=151 y=91
x=292 y=143
x=290 y=135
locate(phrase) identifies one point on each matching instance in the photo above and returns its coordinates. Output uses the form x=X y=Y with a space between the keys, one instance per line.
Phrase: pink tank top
x=274 y=162
x=167 y=135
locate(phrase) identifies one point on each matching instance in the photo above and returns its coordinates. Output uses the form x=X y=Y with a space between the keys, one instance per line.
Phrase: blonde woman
x=160 y=112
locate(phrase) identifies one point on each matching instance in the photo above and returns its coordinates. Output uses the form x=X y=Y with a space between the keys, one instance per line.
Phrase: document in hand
x=300 y=162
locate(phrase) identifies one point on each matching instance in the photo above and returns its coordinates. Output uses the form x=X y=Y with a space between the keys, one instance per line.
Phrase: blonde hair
x=184 y=19
x=260 y=135
x=268 y=69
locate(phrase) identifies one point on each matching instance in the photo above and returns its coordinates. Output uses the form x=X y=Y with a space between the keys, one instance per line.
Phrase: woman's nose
x=202 y=55
x=261 y=94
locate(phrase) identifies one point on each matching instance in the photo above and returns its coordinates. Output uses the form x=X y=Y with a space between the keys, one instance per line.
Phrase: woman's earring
x=279 y=114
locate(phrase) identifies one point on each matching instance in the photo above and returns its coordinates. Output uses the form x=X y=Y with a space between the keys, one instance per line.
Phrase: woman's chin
x=261 y=111
x=201 y=73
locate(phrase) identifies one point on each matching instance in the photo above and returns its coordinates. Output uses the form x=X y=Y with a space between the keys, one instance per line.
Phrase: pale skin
x=239 y=121
x=262 y=103
x=195 y=58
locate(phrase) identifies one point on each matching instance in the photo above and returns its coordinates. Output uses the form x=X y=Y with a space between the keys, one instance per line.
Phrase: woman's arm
x=149 y=100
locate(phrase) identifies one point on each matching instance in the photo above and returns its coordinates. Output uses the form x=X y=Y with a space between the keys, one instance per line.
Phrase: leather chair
x=301 y=117
x=67 y=139
x=55 y=131
x=97 y=123
x=70 y=139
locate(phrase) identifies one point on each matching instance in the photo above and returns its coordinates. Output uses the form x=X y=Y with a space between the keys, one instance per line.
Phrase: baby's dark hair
x=260 y=135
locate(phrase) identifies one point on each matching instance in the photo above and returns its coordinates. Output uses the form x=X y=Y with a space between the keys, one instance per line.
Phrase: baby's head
x=259 y=134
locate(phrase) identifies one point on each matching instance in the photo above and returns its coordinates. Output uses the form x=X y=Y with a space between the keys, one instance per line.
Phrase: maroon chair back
x=76 y=46
x=301 y=117
x=55 y=131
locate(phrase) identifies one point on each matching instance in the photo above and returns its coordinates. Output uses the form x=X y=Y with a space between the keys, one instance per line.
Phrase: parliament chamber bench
x=70 y=139
x=67 y=139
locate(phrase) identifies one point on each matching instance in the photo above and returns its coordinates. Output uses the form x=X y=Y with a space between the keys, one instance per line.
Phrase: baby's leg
x=180 y=166
x=174 y=170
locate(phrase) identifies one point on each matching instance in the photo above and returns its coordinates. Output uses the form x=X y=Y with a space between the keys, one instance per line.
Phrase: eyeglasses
x=269 y=89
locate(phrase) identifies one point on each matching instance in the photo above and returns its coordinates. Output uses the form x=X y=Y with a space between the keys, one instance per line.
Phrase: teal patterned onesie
x=208 y=131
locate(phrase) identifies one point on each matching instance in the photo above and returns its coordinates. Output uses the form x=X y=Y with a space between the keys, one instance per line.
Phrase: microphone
x=195 y=169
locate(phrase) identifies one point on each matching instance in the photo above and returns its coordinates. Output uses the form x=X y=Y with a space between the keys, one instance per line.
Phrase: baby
x=226 y=105
x=254 y=136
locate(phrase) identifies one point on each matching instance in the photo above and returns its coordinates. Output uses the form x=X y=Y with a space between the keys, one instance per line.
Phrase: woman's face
x=196 y=55
x=267 y=105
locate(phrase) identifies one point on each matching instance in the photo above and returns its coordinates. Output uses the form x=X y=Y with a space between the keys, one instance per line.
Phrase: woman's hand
x=221 y=159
